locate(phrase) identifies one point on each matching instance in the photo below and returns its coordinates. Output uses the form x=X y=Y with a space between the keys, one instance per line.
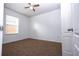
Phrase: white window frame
x=12 y=20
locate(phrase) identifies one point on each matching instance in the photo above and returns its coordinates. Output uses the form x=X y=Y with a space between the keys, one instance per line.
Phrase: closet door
x=75 y=18
x=67 y=32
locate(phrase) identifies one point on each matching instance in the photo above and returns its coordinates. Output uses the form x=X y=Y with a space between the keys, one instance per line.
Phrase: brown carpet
x=32 y=47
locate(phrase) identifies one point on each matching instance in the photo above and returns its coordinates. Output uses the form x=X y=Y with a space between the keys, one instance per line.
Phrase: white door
x=66 y=29
x=75 y=18
x=1 y=25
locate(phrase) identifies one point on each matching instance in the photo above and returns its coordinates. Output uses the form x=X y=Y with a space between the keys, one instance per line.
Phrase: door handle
x=71 y=29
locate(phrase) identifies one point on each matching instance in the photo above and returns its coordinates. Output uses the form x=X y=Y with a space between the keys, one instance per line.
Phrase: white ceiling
x=44 y=7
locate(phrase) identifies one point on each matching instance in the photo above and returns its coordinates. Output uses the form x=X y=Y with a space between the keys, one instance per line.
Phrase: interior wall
x=23 y=27
x=46 y=26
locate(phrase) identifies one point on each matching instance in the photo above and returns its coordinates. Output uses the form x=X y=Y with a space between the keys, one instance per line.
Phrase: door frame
x=1 y=24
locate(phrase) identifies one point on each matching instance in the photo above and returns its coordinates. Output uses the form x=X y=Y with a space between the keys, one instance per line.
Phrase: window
x=11 y=24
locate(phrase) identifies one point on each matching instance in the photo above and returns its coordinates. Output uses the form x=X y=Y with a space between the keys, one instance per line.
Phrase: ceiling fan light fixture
x=31 y=7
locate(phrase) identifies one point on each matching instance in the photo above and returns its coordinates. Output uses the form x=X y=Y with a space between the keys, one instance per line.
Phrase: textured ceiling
x=43 y=8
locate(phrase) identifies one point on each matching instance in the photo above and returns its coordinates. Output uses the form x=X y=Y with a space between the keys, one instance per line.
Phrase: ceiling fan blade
x=26 y=7
x=29 y=3
x=33 y=9
x=36 y=5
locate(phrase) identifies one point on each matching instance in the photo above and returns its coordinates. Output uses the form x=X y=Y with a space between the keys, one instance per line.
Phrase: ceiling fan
x=32 y=6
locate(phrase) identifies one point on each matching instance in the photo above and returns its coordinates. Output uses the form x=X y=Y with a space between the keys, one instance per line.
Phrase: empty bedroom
x=32 y=29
